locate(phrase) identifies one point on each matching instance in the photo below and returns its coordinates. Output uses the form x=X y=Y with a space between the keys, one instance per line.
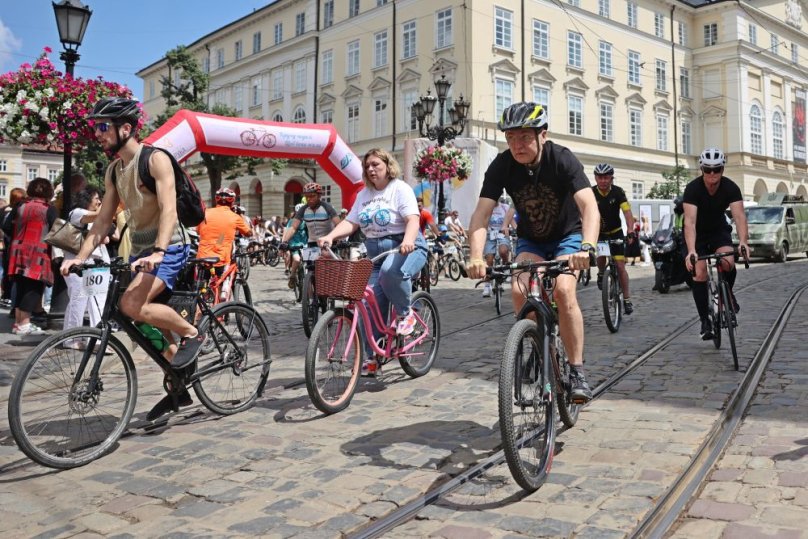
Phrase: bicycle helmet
x=523 y=116
x=298 y=206
x=118 y=109
x=225 y=197
x=312 y=188
x=443 y=228
x=604 y=169
x=712 y=157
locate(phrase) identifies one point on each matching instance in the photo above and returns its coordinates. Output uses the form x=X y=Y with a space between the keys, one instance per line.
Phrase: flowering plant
x=442 y=163
x=40 y=105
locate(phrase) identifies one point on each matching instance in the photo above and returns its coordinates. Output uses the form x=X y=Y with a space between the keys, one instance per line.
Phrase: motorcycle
x=668 y=255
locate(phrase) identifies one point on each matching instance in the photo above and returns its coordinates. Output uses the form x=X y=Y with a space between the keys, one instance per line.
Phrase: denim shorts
x=174 y=260
x=550 y=250
x=491 y=246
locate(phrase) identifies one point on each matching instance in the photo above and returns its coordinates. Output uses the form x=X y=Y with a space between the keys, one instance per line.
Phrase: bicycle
x=231 y=285
x=721 y=305
x=611 y=289
x=534 y=377
x=73 y=398
x=335 y=349
x=497 y=290
x=446 y=262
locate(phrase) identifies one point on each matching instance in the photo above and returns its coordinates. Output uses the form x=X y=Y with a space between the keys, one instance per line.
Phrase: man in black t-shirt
x=551 y=195
x=706 y=229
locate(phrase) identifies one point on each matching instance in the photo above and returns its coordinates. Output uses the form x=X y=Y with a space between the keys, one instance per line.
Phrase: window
x=775 y=48
x=3 y=189
x=206 y=64
x=379 y=117
x=328 y=66
x=327 y=117
x=574 y=44
x=605 y=63
x=604 y=8
x=32 y=173
x=503 y=28
x=576 y=3
x=408 y=119
x=256 y=91
x=300 y=24
x=659 y=25
x=3 y=165
x=541 y=96
x=328 y=13
x=541 y=39
x=682 y=34
x=408 y=44
x=151 y=88
x=710 y=34
x=353 y=122
x=795 y=55
x=575 y=106
x=777 y=135
x=277 y=116
x=278 y=32
x=753 y=34
x=219 y=58
x=256 y=42
x=661 y=76
x=662 y=132
x=326 y=193
x=635 y=127
x=631 y=14
x=380 y=49
x=300 y=76
x=686 y=137
x=606 y=122
x=353 y=58
x=277 y=83
x=684 y=82
x=353 y=8
x=443 y=28
x=503 y=96
x=637 y=190
x=380 y=2
x=634 y=67
x=299 y=115
x=756 y=129
x=53 y=174
x=238 y=97
x=238 y=50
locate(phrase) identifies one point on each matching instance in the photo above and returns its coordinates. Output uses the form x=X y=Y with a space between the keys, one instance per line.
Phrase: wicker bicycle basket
x=342 y=279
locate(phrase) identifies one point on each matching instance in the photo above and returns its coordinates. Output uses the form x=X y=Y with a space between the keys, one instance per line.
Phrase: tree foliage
x=672 y=185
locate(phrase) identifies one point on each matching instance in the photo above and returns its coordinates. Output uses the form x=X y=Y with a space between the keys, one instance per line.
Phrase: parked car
x=778 y=226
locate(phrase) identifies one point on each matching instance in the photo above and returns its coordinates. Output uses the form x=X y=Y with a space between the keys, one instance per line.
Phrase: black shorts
x=616 y=250
x=709 y=243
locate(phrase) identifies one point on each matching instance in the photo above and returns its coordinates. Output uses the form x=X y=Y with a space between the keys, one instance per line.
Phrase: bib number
x=603 y=249
x=450 y=249
x=493 y=234
x=95 y=282
x=309 y=253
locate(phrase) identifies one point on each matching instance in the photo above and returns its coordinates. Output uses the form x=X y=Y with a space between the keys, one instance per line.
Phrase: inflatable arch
x=187 y=132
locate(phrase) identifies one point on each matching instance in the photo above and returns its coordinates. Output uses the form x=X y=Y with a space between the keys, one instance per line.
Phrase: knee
x=130 y=307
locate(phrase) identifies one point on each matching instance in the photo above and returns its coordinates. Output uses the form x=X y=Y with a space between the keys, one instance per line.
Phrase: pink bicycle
x=335 y=349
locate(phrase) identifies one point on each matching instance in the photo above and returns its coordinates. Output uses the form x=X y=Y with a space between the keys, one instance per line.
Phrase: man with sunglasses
x=706 y=200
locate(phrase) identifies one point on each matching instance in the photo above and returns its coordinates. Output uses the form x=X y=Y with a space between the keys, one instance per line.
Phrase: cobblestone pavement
x=282 y=469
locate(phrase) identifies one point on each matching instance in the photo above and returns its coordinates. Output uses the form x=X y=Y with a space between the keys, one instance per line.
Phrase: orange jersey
x=217 y=232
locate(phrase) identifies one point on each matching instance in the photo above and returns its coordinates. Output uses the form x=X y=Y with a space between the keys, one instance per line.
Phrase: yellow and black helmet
x=523 y=116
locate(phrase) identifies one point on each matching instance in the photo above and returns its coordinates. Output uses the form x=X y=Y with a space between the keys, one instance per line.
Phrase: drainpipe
x=524 y=31
x=675 y=99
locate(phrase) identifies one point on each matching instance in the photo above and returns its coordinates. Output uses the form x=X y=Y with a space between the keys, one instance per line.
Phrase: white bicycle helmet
x=604 y=169
x=712 y=157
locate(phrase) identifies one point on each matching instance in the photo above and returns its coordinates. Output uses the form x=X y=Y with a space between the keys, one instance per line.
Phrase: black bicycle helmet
x=118 y=109
x=523 y=116
x=604 y=169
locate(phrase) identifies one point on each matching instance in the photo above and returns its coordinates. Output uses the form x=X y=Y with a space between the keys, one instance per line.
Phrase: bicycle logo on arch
x=255 y=136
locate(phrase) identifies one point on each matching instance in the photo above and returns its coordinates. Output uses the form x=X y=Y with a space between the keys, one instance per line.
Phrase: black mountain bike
x=73 y=397
x=611 y=289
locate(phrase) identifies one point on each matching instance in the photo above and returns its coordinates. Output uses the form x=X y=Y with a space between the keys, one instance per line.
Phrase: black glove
x=283 y=246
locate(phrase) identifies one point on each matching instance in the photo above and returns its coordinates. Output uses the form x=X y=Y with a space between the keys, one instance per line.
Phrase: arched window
x=777 y=135
x=299 y=116
x=277 y=116
x=756 y=129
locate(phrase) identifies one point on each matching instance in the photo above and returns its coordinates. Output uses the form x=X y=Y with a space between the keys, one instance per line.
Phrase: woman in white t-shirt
x=387 y=213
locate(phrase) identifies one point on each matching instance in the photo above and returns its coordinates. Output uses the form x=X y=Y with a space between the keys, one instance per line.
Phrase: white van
x=778 y=226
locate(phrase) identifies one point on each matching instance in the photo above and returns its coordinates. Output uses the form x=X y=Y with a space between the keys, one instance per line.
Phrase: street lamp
x=71 y=18
x=423 y=110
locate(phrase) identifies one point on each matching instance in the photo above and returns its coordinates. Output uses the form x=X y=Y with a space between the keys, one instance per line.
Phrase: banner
x=799 y=127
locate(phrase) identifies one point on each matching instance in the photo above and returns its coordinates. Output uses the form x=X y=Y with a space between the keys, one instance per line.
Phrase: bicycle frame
x=216 y=282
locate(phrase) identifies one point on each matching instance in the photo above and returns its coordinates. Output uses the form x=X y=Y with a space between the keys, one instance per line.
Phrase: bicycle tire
x=232 y=375
x=91 y=426
x=567 y=410
x=299 y=283
x=715 y=313
x=526 y=419
x=497 y=290
x=330 y=382
x=423 y=304
x=434 y=270
x=273 y=256
x=612 y=300
x=243 y=263
x=454 y=269
x=309 y=305
x=729 y=318
x=241 y=292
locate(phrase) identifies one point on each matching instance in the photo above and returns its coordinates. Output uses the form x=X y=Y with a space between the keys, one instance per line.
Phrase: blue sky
x=122 y=37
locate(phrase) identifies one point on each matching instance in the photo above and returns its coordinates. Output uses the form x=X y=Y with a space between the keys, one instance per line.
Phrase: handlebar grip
x=592 y=259
x=693 y=264
x=745 y=255
x=77 y=269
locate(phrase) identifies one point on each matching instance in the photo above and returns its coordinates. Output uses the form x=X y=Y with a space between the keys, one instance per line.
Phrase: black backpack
x=190 y=206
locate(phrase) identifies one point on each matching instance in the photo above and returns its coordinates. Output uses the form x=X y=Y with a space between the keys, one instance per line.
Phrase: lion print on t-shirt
x=539 y=210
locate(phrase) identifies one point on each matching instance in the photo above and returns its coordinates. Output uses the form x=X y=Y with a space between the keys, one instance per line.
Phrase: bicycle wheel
x=243 y=263
x=273 y=256
x=231 y=376
x=567 y=410
x=333 y=361
x=60 y=421
x=728 y=316
x=497 y=290
x=526 y=419
x=417 y=360
x=715 y=313
x=299 y=283
x=434 y=270
x=241 y=292
x=454 y=269
x=310 y=305
x=612 y=300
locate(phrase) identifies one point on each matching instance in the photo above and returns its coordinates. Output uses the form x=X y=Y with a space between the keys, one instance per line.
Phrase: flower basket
x=442 y=163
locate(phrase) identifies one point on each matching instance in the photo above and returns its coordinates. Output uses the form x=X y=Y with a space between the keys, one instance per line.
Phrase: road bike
x=609 y=284
x=74 y=396
x=335 y=349
x=534 y=377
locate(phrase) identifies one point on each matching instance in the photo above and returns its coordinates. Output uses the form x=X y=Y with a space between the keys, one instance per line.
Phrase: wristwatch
x=159 y=250
x=588 y=247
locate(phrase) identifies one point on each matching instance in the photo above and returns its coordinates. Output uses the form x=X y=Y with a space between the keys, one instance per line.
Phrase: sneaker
x=5 y=303
x=579 y=390
x=27 y=329
x=706 y=329
x=600 y=281
x=628 y=307
x=406 y=324
x=166 y=405
x=369 y=368
x=187 y=351
x=487 y=290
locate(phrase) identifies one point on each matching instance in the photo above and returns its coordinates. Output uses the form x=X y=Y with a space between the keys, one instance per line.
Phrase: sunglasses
x=712 y=170
x=102 y=126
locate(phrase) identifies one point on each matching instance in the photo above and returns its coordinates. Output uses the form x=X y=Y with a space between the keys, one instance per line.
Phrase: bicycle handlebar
x=719 y=256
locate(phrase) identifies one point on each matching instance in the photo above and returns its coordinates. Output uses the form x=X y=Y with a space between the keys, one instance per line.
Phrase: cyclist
x=425 y=219
x=218 y=231
x=320 y=218
x=160 y=245
x=705 y=199
x=455 y=226
x=387 y=212
x=611 y=201
x=558 y=219
x=498 y=238
x=291 y=249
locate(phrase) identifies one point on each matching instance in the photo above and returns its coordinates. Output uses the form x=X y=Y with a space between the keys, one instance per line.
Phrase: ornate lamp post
x=424 y=108
x=71 y=18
